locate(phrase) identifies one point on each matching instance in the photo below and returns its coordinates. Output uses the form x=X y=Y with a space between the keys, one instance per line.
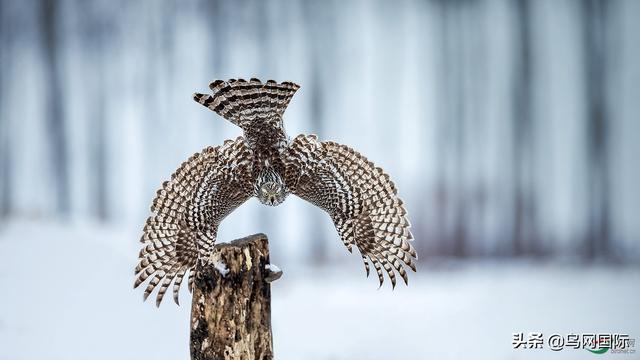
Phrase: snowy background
x=510 y=128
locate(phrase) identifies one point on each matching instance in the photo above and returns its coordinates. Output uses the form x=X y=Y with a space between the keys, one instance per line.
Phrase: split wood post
x=231 y=307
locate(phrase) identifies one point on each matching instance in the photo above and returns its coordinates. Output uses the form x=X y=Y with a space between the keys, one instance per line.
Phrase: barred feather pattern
x=360 y=198
x=241 y=101
x=187 y=211
x=257 y=108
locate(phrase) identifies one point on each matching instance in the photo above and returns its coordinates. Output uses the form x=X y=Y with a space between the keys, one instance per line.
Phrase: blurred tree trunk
x=55 y=117
x=218 y=27
x=5 y=125
x=476 y=128
x=95 y=29
x=523 y=196
x=459 y=111
x=441 y=194
x=594 y=32
x=451 y=193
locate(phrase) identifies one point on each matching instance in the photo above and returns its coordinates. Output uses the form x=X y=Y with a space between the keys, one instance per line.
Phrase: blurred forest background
x=510 y=127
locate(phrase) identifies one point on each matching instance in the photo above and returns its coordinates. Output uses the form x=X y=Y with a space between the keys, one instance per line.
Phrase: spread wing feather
x=187 y=211
x=360 y=198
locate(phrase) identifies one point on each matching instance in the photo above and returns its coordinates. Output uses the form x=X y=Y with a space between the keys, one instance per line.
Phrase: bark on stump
x=231 y=308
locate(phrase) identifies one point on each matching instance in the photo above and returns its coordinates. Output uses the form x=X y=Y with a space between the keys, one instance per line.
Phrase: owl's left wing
x=187 y=211
x=360 y=198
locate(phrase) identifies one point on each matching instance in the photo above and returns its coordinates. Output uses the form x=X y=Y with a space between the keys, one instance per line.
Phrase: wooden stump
x=231 y=308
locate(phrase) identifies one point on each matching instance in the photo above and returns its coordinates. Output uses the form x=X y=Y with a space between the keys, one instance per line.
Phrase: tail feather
x=241 y=101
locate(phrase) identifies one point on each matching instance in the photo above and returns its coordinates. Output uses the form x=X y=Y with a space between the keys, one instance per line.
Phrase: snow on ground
x=67 y=294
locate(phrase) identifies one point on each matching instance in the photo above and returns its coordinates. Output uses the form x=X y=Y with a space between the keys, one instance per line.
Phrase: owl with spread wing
x=359 y=197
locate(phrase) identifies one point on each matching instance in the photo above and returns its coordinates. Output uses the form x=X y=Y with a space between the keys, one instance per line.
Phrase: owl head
x=270 y=188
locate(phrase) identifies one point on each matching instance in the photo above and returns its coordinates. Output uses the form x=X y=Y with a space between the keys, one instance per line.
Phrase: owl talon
x=273 y=273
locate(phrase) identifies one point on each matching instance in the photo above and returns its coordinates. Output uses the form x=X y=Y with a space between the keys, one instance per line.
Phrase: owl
x=359 y=197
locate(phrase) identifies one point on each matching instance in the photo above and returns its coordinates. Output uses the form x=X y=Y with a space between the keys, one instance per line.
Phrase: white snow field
x=67 y=294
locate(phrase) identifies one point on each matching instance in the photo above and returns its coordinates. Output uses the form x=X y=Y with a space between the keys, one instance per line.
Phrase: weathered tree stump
x=231 y=308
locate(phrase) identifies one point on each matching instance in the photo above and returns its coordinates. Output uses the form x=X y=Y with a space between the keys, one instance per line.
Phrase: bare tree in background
x=94 y=30
x=6 y=28
x=427 y=229
x=477 y=135
x=218 y=28
x=158 y=28
x=594 y=33
x=450 y=193
x=441 y=196
x=524 y=206
x=55 y=119
x=459 y=111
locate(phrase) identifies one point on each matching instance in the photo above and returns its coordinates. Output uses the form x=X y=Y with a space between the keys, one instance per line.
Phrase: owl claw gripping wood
x=360 y=198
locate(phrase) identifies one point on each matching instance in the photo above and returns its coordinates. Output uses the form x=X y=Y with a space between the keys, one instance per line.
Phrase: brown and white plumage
x=360 y=198
x=187 y=211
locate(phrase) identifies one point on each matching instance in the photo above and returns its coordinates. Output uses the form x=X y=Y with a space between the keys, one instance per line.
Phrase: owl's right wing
x=187 y=211
x=360 y=198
